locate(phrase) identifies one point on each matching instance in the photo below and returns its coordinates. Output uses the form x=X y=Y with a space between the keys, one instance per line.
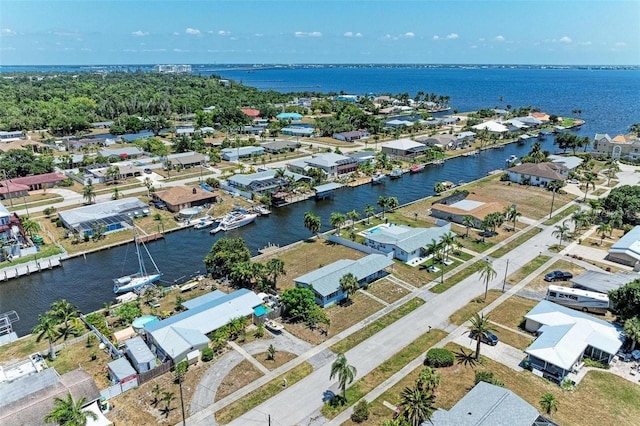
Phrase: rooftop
x=403 y=144
x=543 y=170
x=408 y=239
x=179 y=195
x=101 y=210
x=629 y=244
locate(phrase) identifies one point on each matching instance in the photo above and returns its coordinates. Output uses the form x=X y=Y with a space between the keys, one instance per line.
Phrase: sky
x=88 y=32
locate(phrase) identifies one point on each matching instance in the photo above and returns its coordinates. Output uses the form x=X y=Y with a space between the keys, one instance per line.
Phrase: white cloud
x=7 y=32
x=452 y=36
x=154 y=50
x=179 y=50
x=85 y=49
x=306 y=34
x=192 y=31
x=621 y=44
x=585 y=43
x=13 y=48
x=499 y=38
x=129 y=50
x=435 y=37
x=565 y=39
x=348 y=34
x=224 y=33
x=481 y=39
x=140 y=33
x=358 y=34
x=175 y=33
x=259 y=35
x=409 y=35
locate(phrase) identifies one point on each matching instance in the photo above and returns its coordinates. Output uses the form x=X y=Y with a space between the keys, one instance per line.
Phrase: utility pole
x=6 y=183
x=504 y=283
x=553 y=198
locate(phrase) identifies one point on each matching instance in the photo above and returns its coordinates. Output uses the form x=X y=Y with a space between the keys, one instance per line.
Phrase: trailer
x=586 y=301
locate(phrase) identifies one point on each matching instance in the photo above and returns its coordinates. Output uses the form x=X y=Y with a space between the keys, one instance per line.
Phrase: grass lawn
x=475 y=243
x=22 y=348
x=602 y=243
x=457 y=277
x=78 y=355
x=562 y=215
x=341 y=317
x=308 y=256
x=415 y=276
x=387 y=290
x=519 y=240
x=239 y=376
x=511 y=312
x=280 y=358
x=539 y=284
x=363 y=334
x=263 y=393
x=385 y=370
x=46 y=250
x=512 y=338
x=527 y=269
x=467 y=311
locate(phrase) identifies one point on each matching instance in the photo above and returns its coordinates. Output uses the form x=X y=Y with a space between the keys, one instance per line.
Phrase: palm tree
x=89 y=193
x=589 y=180
x=487 y=273
x=369 y=211
x=549 y=403
x=156 y=391
x=345 y=373
x=115 y=193
x=167 y=397
x=383 y=203
x=30 y=226
x=433 y=248
x=353 y=215
x=337 y=220
x=392 y=203
x=480 y=326
x=417 y=405
x=63 y=312
x=466 y=359
x=47 y=327
x=561 y=231
x=632 y=330
x=312 y=222
x=613 y=168
x=512 y=214
x=468 y=222
x=68 y=412
x=273 y=269
x=349 y=285
x=447 y=241
x=271 y=353
x=603 y=229
x=149 y=184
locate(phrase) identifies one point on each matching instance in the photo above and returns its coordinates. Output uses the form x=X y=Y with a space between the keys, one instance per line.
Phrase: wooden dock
x=150 y=237
x=29 y=268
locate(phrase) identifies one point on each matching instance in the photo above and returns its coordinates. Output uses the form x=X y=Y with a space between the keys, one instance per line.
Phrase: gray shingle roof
x=408 y=239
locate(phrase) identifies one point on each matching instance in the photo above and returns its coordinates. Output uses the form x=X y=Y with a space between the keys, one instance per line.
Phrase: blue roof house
x=291 y=116
x=325 y=282
x=406 y=243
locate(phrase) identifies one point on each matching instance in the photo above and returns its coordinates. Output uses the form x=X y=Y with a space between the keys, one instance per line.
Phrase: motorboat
x=396 y=173
x=204 y=222
x=261 y=210
x=378 y=178
x=512 y=159
x=417 y=168
x=234 y=219
x=141 y=278
x=274 y=325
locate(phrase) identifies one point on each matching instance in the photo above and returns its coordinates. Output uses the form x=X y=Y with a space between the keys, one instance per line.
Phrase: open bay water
x=608 y=100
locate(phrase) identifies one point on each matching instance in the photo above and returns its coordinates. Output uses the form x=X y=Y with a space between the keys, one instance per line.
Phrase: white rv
x=586 y=301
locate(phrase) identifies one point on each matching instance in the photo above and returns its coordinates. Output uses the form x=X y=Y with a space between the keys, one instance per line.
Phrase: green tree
x=345 y=373
x=612 y=168
x=298 y=302
x=312 y=222
x=487 y=273
x=67 y=412
x=369 y=211
x=66 y=313
x=353 y=216
x=468 y=222
x=603 y=229
x=625 y=301
x=625 y=198
x=271 y=353
x=225 y=253
x=560 y=232
x=632 y=330
x=383 y=203
x=156 y=391
x=115 y=194
x=349 y=285
x=589 y=180
x=127 y=312
x=273 y=269
x=446 y=242
x=89 y=193
x=417 y=405
x=47 y=327
x=148 y=183
x=512 y=214
x=30 y=226
x=337 y=220
x=167 y=398
x=392 y=203
x=428 y=380
x=480 y=326
x=549 y=403
x=439 y=188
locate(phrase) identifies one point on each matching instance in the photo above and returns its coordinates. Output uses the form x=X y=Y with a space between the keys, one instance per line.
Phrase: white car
x=573 y=181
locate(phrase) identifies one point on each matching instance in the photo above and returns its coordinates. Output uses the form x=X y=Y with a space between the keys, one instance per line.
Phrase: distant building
x=11 y=136
x=279 y=147
x=351 y=136
x=304 y=132
x=181 y=197
x=264 y=181
x=121 y=153
x=333 y=165
x=43 y=181
x=472 y=206
x=290 y=116
x=98 y=172
x=620 y=147
x=251 y=112
x=172 y=69
x=569 y=161
x=537 y=174
x=406 y=243
x=403 y=148
x=325 y=282
x=114 y=215
x=442 y=141
x=627 y=249
x=347 y=98
x=234 y=154
x=492 y=127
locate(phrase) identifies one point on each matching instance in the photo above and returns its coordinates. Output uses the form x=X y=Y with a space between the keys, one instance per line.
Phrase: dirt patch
x=239 y=376
x=280 y=358
x=387 y=291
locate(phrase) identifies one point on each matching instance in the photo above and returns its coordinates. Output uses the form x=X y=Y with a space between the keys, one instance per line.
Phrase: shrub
x=488 y=377
x=207 y=354
x=360 y=412
x=588 y=362
x=439 y=357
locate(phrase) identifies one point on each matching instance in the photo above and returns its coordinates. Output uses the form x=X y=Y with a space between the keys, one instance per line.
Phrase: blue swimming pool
x=261 y=310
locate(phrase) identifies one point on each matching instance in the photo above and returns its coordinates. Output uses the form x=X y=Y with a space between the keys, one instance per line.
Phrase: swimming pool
x=261 y=310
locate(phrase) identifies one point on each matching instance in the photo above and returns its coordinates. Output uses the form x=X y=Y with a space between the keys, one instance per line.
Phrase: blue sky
x=57 y=32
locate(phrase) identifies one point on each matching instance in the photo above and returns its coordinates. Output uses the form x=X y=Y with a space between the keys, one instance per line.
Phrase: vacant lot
x=387 y=291
x=511 y=312
x=239 y=376
x=308 y=256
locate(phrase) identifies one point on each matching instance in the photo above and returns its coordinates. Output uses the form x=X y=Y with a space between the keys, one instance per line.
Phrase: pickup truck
x=558 y=276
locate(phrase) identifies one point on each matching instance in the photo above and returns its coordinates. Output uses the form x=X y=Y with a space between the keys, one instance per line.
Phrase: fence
x=354 y=245
x=113 y=351
x=152 y=374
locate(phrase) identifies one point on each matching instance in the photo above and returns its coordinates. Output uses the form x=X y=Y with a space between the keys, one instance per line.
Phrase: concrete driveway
x=501 y=352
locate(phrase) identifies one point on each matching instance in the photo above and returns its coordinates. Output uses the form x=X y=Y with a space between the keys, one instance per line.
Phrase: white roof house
x=177 y=336
x=570 y=162
x=403 y=147
x=405 y=242
x=565 y=336
x=491 y=126
x=627 y=249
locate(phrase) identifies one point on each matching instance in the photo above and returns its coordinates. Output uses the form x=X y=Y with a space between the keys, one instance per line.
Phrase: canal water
x=87 y=282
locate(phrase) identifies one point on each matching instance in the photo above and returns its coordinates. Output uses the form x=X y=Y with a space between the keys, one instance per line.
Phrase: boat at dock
x=396 y=174
x=274 y=325
x=378 y=178
x=261 y=210
x=512 y=160
x=417 y=168
x=141 y=278
x=204 y=222
x=234 y=219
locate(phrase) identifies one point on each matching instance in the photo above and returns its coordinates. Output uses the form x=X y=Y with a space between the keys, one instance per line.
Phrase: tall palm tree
x=312 y=222
x=167 y=398
x=349 y=285
x=632 y=330
x=89 y=193
x=603 y=230
x=47 y=327
x=345 y=373
x=392 y=203
x=383 y=203
x=433 y=249
x=468 y=222
x=512 y=214
x=369 y=211
x=64 y=312
x=589 y=180
x=487 y=273
x=561 y=231
x=68 y=412
x=353 y=215
x=115 y=193
x=417 y=405
x=612 y=169
x=30 y=226
x=273 y=269
x=549 y=403
x=481 y=327
x=447 y=241
x=337 y=220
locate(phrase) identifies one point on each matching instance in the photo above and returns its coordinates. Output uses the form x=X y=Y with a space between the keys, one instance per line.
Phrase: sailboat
x=140 y=278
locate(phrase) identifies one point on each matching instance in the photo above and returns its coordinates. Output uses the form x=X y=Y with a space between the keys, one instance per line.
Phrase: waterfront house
x=537 y=174
x=627 y=249
x=403 y=148
x=443 y=141
x=397 y=124
x=332 y=164
x=492 y=126
x=11 y=232
x=177 y=198
x=488 y=404
x=569 y=161
x=466 y=138
x=347 y=98
x=265 y=181
x=234 y=154
x=406 y=243
x=473 y=206
x=566 y=337
x=351 y=136
x=620 y=147
x=121 y=373
x=114 y=215
x=184 y=335
x=325 y=281
x=363 y=157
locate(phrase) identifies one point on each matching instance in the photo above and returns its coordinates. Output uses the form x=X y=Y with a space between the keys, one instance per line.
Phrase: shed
x=121 y=371
x=140 y=355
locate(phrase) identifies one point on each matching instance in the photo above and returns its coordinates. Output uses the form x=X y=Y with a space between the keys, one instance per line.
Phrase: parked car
x=558 y=276
x=147 y=171
x=159 y=205
x=489 y=338
x=573 y=181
